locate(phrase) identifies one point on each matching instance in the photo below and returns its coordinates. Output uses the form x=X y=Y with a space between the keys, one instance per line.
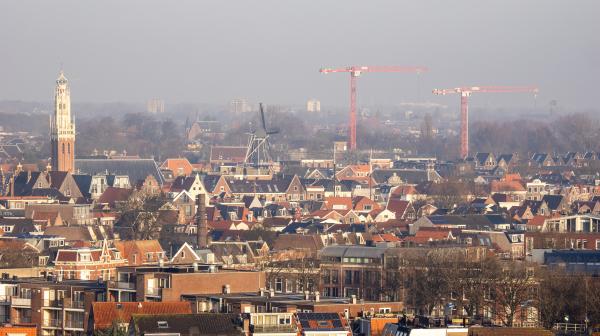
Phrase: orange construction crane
x=355 y=72
x=465 y=92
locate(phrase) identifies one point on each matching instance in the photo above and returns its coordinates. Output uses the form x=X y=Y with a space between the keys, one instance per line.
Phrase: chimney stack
x=12 y=185
x=201 y=225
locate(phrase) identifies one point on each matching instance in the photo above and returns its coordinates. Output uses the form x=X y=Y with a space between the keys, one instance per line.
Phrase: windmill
x=258 y=152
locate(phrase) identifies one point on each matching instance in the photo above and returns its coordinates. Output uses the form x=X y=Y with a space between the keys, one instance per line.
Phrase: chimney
x=353 y=299
x=317 y=296
x=262 y=291
x=226 y=289
x=306 y=295
x=12 y=185
x=271 y=292
x=201 y=225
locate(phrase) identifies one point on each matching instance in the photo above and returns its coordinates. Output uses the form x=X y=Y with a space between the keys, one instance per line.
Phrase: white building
x=239 y=105
x=155 y=106
x=313 y=105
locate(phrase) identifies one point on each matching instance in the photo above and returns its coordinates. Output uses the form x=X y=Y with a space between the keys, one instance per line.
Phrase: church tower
x=62 y=128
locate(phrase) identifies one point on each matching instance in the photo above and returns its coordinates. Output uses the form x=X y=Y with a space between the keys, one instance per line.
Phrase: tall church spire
x=62 y=127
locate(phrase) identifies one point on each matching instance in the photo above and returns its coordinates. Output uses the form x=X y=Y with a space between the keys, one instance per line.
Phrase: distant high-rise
x=313 y=105
x=155 y=106
x=62 y=128
x=239 y=105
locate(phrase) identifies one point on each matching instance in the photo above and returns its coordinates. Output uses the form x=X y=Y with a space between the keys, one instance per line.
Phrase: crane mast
x=357 y=71
x=465 y=93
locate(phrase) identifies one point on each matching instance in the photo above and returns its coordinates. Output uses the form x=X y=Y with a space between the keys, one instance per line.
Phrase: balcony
x=122 y=285
x=52 y=323
x=74 y=324
x=53 y=303
x=280 y=329
x=21 y=320
x=152 y=291
x=77 y=305
x=20 y=302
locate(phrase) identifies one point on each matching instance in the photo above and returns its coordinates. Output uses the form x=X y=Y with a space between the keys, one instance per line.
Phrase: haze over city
x=211 y=51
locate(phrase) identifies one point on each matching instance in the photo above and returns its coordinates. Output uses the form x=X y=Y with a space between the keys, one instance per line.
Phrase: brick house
x=88 y=263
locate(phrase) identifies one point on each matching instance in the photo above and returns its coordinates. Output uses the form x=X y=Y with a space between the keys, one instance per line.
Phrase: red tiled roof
x=512 y=177
x=403 y=190
x=105 y=313
x=537 y=220
x=398 y=207
x=338 y=202
x=221 y=224
x=504 y=186
x=425 y=235
x=45 y=215
x=227 y=153
x=385 y=237
x=127 y=247
x=179 y=163
x=112 y=195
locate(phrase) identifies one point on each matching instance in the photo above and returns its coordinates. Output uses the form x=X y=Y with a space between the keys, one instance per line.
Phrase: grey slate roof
x=470 y=221
x=84 y=182
x=353 y=251
x=136 y=169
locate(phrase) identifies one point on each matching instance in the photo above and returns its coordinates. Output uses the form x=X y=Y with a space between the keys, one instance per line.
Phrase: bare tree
x=514 y=288
x=139 y=216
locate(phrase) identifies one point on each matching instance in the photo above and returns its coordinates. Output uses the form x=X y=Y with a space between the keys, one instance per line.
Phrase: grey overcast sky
x=271 y=50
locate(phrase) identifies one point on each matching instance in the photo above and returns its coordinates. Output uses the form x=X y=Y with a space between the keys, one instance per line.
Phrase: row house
x=561 y=241
x=169 y=283
x=55 y=306
x=56 y=184
x=587 y=223
x=537 y=189
x=104 y=315
x=92 y=186
x=70 y=214
x=352 y=270
x=88 y=263
x=309 y=303
x=21 y=202
x=190 y=185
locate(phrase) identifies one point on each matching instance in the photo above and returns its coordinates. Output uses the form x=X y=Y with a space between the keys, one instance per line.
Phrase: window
x=385 y=310
x=347 y=277
x=278 y=285
x=597 y=244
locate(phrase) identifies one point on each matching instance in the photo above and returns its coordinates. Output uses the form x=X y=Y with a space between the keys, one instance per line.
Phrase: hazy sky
x=212 y=51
